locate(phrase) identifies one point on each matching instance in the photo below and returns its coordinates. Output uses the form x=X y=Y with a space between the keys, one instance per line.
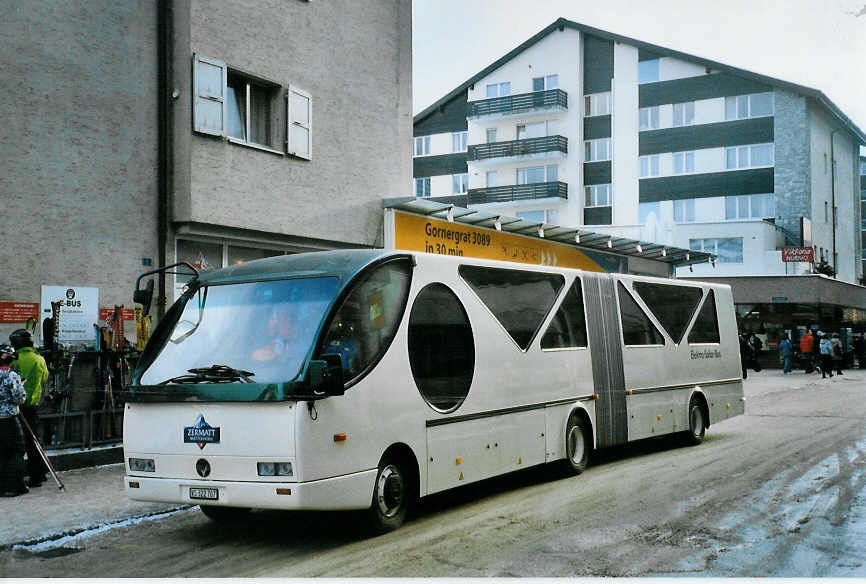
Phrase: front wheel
x=577 y=446
x=697 y=423
x=225 y=515
x=391 y=496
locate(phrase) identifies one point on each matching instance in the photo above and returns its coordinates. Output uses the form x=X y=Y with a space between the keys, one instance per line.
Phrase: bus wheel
x=390 y=496
x=577 y=446
x=697 y=423
x=225 y=515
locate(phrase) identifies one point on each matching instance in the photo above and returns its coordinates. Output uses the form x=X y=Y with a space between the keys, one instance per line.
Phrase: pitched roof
x=563 y=23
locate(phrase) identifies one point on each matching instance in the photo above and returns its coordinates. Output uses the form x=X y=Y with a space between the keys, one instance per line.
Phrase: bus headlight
x=275 y=469
x=142 y=465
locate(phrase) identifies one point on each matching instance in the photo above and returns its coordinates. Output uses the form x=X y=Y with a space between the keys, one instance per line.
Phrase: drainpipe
x=833 y=201
x=165 y=153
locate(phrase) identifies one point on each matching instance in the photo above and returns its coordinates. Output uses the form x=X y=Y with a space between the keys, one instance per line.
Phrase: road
x=780 y=491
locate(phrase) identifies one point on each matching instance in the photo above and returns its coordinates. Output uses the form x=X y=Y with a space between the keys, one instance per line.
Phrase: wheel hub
x=389 y=491
x=576 y=445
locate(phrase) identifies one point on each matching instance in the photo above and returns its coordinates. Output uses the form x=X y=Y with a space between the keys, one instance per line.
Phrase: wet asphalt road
x=780 y=491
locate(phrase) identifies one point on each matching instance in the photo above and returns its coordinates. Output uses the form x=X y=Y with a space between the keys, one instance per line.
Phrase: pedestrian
x=32 y=368
x=786 y=350
x=12 y=395
x=825 y=348
x=745 y=354
x=837 y=353
x=807 y=342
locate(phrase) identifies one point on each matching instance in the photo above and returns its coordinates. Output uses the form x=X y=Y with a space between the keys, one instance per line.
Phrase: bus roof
x=340 y=263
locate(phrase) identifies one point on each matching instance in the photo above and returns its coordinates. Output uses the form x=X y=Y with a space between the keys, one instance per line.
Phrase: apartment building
x=146 y=132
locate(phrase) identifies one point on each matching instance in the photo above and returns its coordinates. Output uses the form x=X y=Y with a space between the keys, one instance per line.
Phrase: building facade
x=148 y=132
x=581 y=127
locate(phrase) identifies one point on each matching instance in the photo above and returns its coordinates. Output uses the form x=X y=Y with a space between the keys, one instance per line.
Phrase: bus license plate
x=199 y=493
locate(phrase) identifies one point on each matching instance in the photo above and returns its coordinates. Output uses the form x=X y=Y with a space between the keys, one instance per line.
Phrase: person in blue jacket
x=786 y=350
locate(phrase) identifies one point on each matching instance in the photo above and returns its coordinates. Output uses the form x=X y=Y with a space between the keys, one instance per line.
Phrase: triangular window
x=706 y=327
x=568 y=327
x=637 y=328
x=673 y=306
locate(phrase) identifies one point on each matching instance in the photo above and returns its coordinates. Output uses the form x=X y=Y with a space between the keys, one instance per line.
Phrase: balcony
x=512 y=148
x=552 y=99
x=506 y=194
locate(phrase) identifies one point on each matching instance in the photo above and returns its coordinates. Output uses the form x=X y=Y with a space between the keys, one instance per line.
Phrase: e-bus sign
x=430 y=235
x=798 y=254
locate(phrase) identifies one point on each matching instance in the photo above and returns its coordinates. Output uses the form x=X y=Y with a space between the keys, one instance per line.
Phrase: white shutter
x=299 y=134
x=209 y=83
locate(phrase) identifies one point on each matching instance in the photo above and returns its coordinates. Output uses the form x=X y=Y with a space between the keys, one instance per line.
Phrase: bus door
x=605 y=342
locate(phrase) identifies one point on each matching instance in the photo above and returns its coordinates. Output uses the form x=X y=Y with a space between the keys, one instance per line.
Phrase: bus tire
x=697 y=423
x=577 y=446
x=225 y=515
x=391 y=495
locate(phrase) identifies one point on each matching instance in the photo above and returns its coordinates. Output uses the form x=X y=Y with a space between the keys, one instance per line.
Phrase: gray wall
x=791 y=171
x=354 y=57
x=78 y=146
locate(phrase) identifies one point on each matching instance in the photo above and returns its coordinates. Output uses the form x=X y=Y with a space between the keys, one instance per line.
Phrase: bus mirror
x=326 y=375
x=144 y=297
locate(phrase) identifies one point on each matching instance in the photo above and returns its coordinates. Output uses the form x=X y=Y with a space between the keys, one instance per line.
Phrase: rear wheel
x=697 y=423
x=225 y=515
x=391 y=496
x=577 y=446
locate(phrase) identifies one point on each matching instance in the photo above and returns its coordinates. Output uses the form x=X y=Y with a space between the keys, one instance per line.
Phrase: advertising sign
x=426 y=234
x=18 y=312
x=798 y=254
x=79 y=311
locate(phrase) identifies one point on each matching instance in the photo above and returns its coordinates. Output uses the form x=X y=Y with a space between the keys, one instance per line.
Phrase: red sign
x=18 y=311
x=107 y=313
x=798 y=254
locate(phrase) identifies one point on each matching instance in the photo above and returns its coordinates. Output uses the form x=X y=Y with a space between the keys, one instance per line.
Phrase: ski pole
x=41 y=451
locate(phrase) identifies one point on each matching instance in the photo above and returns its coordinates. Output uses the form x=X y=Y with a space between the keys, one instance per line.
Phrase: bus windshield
x=264 y=328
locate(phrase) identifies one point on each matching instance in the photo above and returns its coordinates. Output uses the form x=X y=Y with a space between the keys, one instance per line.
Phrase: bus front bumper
x=352 y=491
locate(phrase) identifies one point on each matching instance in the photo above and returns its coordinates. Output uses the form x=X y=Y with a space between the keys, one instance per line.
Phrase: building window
x=422 y=145
x=598 y=195
x=537 y=174
x=684 y=162
x=648 y=71
x=458 y=141
x=728 y=250
x=684 y=211
x=492 y=178
x=536 y=130
x=548 y=216
x=649 y=118
x=597 y=104
x=596 y=150
x=738 y=107
x=750 y=207
x=248 y=110
x=753 y=156
x=459 y=183
x=422 y=187
x=684 y=113
x=649 y=165
x=499 y=89
x=491 y=135
x=545 y=83
x=644 y=211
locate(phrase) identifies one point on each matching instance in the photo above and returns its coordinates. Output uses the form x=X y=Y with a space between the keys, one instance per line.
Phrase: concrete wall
x=354 y=57
x=791 y=180
x=624 y=142
x=78 y=147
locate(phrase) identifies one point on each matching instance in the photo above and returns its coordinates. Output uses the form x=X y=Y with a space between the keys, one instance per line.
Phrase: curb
x=72 y=459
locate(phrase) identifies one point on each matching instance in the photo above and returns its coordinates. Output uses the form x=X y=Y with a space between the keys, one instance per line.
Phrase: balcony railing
x=523 y=102
x=517 y=147
x=508 y=193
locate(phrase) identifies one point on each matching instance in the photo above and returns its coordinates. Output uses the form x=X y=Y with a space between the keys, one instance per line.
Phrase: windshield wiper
x=212 y=374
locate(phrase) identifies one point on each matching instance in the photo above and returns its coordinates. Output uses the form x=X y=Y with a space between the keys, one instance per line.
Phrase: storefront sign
x=798 y=254
x=79 y=311
x=18 y=312
x=108 y=313
x=417 y=233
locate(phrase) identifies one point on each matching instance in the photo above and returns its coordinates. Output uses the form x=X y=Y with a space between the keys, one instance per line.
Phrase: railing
x=518 y=147
x=518 y=103
x=518 y=192
x=81 y=429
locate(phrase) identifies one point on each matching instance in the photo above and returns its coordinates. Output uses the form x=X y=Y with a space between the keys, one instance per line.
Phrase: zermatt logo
x=201 y=433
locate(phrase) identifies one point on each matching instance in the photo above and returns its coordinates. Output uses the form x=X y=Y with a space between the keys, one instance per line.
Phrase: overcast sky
x=816 y=43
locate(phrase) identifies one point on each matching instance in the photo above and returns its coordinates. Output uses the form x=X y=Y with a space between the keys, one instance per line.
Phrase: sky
x=816 y=43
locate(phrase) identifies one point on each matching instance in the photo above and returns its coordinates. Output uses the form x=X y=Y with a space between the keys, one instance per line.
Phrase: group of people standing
x=821 y=352
x=23 y=374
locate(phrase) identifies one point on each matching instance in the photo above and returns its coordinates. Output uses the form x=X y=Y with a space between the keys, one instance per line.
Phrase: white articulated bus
x=365 y=379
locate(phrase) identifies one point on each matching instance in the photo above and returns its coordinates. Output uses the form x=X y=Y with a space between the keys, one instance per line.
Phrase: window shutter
x=299 y=132
x=209 y=81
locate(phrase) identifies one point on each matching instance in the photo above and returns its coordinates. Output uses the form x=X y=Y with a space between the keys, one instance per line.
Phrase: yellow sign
x=417 y=233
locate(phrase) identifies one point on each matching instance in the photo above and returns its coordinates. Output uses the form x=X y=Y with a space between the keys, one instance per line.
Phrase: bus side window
x=706 y=327
x=568 y=327
x=637 y=328
x=365 y=324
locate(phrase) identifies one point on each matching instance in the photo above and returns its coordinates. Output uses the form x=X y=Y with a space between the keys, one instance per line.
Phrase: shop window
x=365 y=324
x=441 y=348
x=673 y=306
x=519 y=300
x=637 y=328
x=568 y=327
x=706 y=327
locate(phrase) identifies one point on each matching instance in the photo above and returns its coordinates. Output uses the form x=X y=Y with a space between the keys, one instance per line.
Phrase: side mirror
x=144 y=297
x=326 y=375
